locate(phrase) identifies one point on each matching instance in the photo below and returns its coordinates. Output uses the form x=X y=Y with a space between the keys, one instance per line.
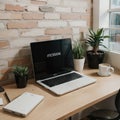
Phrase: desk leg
x=70 y=118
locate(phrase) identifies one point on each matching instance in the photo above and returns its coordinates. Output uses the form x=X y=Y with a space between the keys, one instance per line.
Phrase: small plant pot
x=94 y=59
x=21 y=82
x=79 y=64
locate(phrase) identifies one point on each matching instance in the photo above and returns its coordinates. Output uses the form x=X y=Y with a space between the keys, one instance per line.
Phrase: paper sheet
x=1 y=101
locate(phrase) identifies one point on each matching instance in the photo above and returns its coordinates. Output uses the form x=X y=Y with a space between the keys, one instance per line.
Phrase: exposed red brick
x=4 y=44
x=57 y=31
x=11 y=7
x=87 y=18
x=33 y=16
x=22 y=25
x=84 y=29
x=70 y=16
x=42 y=38
x=21 y=21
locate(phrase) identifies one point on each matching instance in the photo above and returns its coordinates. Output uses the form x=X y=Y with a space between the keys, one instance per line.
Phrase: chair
x=104 y=114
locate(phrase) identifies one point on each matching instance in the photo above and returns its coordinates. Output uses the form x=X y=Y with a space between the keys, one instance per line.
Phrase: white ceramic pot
x=79 y=64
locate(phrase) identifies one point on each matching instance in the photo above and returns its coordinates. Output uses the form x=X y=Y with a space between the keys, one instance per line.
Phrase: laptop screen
x=51 y=58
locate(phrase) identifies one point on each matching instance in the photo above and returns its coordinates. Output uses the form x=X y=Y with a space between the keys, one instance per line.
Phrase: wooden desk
x=60 y=107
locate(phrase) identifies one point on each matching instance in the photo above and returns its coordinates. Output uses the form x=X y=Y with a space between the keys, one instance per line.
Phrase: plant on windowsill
x=78 y=55
x=95 y=39
x=21 y=75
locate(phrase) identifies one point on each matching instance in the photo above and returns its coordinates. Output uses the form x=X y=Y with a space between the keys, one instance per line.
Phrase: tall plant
x=95 y=39
x=78 y=50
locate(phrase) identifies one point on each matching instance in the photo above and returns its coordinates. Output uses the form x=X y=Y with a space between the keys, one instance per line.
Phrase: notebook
x=53 y=66
x=23 y=104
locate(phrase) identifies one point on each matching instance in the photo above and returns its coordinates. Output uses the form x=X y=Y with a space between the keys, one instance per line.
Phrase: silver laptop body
x=54 y=68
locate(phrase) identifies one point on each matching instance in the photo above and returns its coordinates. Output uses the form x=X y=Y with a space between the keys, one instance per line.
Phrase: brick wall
x=25 y=21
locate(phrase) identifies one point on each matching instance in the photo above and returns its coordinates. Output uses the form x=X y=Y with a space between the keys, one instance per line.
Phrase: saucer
x=103 y=75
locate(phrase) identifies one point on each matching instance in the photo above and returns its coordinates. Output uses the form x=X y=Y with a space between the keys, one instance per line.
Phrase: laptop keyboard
x=61 y=79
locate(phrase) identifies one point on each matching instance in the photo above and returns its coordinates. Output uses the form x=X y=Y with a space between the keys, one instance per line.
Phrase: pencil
x=6 y=95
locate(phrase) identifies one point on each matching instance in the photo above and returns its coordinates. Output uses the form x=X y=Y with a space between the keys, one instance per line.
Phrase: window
x=108 y=17
x=114 y=13
x=106 y=14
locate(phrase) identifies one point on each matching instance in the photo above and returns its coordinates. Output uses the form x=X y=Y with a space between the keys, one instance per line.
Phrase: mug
x=105 y=69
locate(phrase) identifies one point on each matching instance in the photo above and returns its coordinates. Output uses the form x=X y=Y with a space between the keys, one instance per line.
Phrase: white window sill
x=113 y=58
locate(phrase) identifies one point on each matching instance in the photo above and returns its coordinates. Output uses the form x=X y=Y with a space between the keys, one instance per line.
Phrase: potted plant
x=21 y=75
x=78 y=55
x=95 y=39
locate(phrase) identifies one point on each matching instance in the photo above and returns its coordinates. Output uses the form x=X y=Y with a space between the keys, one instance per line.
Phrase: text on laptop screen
x=51 y=58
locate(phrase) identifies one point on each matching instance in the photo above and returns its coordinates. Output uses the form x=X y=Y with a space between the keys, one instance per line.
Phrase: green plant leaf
x=95 y=39
x=99 y=32
x=78 y=50
x=20 y=70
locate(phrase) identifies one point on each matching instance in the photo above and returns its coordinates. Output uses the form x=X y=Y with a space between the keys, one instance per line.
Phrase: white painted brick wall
x=76 y=30
x=33 y=32
x=9 y=53
x=15 y=38
x=52 y=16
x=81 y=9
x=2 y=26
x=63 y=9
x=56 y=37
x=80 y=23
x=7 y=1
x=75 y=3
x=8 y=33
x=5 y=15
x=2 y=6
x=54 y=2
x=23 y=1
x=9 y=16
x=33 y=8
x=3 y=64
x=41 y=0
x=21 y=42
x=76 y=37
x=52 y=23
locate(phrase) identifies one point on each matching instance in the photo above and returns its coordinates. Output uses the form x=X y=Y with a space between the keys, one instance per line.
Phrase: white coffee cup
x=105 y=69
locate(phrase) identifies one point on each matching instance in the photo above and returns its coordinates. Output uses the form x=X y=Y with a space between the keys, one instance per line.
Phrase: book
x=23 y=104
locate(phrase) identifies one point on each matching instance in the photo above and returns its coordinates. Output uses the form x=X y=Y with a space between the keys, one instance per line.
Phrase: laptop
x=54 y=68
x=23 y=104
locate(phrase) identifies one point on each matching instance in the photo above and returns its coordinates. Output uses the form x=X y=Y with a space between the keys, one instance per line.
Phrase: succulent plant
x=20 y=70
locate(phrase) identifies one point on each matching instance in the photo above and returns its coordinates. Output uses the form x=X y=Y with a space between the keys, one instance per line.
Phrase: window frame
x=101 y=20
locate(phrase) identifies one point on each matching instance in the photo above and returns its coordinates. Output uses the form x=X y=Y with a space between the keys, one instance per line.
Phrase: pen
x=6 y=95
